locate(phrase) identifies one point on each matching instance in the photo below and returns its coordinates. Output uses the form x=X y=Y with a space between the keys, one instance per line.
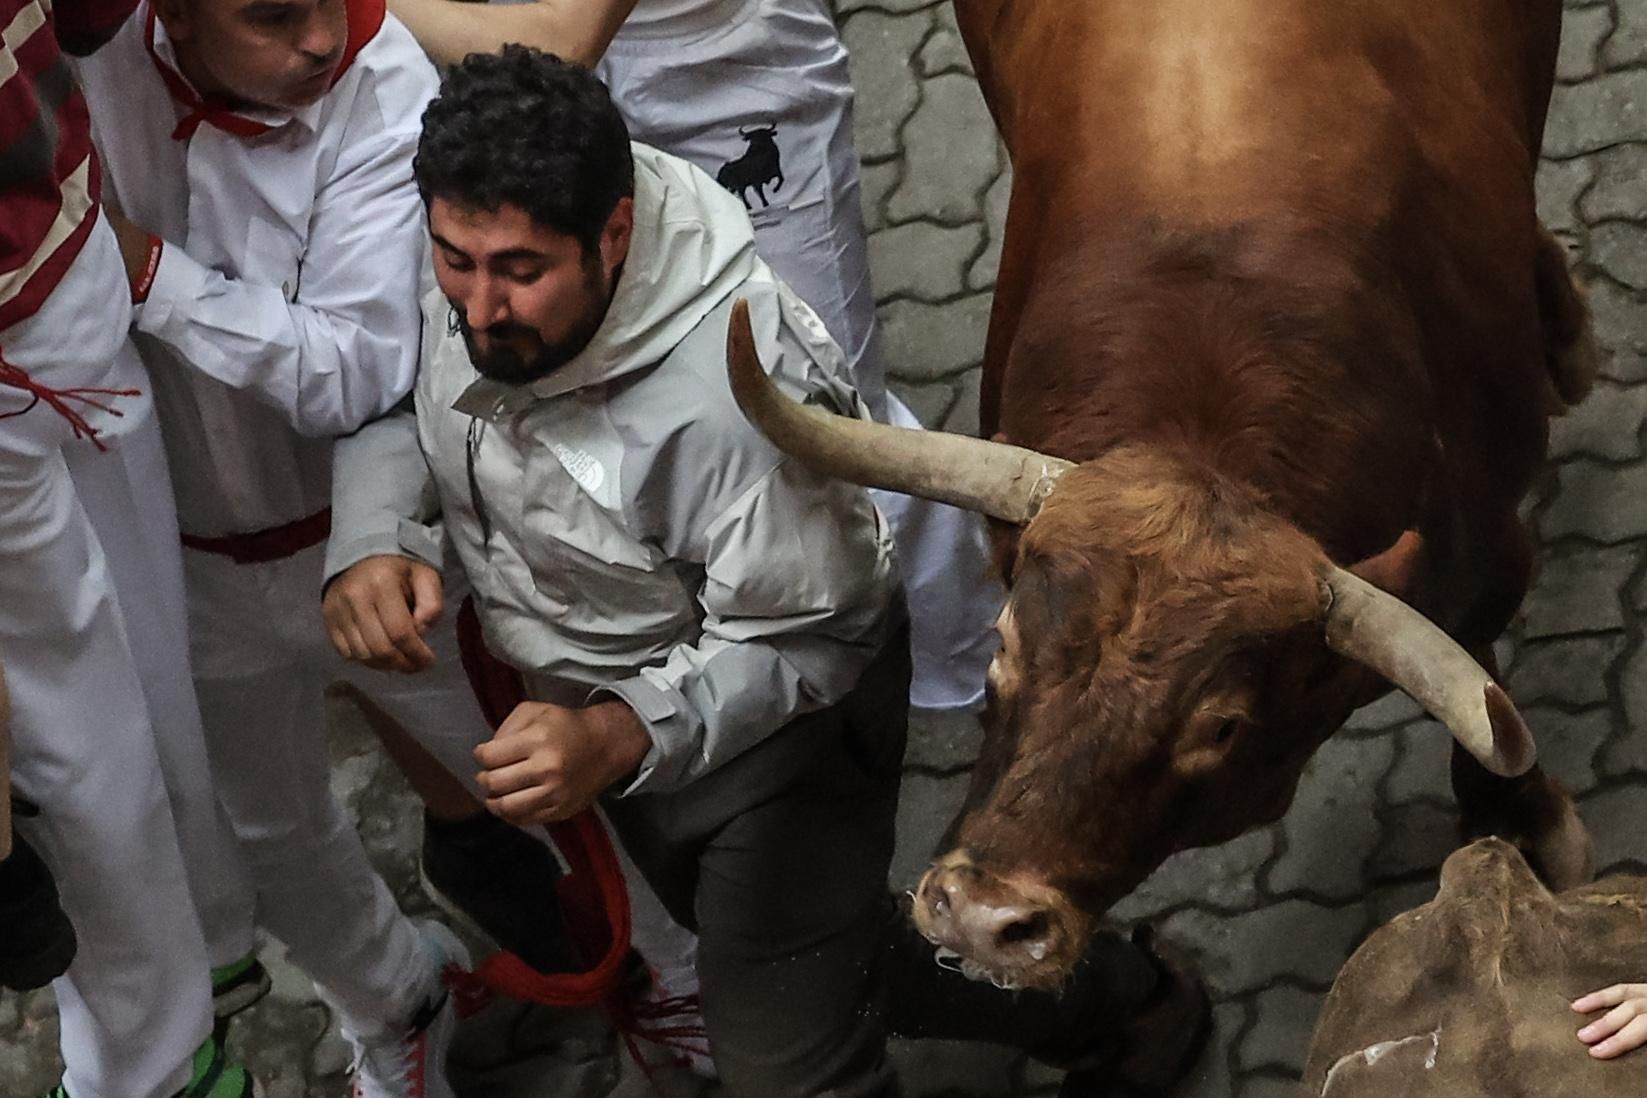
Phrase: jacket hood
x=692 y=246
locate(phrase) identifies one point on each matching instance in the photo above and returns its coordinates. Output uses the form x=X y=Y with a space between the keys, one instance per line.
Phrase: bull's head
x=753 y=134
x=1172 y=654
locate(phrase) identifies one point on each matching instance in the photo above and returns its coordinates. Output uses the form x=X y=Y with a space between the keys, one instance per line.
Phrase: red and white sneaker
x=412 y=1064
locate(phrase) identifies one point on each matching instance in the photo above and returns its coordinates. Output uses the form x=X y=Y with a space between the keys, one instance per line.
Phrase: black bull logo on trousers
x=759 y=165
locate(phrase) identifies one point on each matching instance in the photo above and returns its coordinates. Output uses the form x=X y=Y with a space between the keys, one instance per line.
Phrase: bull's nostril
x=1030 y=929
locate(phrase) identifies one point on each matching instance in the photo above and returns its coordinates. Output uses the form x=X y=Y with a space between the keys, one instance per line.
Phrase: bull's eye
x=1227 y=729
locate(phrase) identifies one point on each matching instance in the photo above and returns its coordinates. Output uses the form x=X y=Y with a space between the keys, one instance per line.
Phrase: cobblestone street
x=1272 y=915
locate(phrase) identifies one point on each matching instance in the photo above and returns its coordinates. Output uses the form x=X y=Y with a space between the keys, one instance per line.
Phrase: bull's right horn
x=1369 y=624
x=1005 y=482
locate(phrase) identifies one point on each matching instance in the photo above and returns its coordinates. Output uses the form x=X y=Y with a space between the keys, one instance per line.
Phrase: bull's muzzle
x=1017 y=934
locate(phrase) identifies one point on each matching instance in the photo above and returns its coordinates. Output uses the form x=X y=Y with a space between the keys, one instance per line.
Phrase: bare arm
x=577 y=30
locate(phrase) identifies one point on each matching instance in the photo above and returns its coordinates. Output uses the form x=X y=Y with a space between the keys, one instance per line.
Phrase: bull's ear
x=1395 y=569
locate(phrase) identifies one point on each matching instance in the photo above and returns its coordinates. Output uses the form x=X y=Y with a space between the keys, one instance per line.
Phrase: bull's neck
x=1237 y=348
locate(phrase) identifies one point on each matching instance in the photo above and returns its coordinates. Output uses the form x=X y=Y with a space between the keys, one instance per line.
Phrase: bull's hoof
x=1161 y=1044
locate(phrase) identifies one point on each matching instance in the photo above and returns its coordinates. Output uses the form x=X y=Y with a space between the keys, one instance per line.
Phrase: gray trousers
x=778 y=860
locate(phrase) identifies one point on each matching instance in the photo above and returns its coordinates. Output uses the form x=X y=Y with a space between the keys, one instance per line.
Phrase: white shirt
x=284 y=310
x=679 y=18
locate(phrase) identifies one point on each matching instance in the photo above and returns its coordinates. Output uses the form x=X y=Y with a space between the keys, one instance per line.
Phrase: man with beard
x=758 y=94
x=711 y=637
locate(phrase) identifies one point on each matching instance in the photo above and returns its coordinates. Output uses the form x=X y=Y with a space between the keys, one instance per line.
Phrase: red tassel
x=58 y=400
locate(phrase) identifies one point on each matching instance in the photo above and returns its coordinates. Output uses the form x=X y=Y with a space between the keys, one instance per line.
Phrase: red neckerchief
x=365 y=20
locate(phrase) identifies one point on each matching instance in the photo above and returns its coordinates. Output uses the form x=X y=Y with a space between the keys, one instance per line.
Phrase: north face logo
x=759 y=165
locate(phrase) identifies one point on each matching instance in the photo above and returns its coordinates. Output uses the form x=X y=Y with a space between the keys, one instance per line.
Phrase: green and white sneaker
x=216 y=1077
x=213 y=1077
x=237 y=986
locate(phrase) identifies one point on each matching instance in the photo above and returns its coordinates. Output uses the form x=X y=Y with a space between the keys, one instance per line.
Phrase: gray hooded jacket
x=627 y=532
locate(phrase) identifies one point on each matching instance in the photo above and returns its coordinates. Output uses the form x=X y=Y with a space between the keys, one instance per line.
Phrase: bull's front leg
x=1571 y=353
x=1534 y=811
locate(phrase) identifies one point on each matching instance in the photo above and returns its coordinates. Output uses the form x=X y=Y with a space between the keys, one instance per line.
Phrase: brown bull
x=1280 y=331
x=1467 y=996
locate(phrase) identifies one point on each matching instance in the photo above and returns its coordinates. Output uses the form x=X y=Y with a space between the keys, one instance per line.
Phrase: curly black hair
x=525 y=128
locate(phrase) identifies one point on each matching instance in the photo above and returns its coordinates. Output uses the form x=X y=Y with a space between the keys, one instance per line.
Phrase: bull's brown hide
x=1467 y=996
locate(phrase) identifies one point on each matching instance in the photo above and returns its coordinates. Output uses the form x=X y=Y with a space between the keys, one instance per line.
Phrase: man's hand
x=1622 y=1028
x=134 y=245
x=548 y=763
x=378 y=610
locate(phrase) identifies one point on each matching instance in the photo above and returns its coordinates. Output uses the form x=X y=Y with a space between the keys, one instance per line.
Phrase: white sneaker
x=412 y=1064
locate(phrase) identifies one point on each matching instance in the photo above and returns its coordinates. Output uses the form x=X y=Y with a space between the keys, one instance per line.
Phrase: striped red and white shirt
x=48 y=172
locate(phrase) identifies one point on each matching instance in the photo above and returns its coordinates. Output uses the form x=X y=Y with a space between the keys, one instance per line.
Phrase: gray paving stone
x=1331 y=829
x=1580 y=591
x=924 y=260
x=963 y=417
x=944 y=50
x=1598 y=502
x=1291 y=940
x=880 y=46
x=930 y=401
x=1620 y=319
x=1417 y=839
x=1569 y=745
x=1394 y=708
x=1603 y=111
x=1211 y=1077
x=274 y=1040
x=30 y=1064
x=1270 y=1086
x=951 y=1069
x=952 y=154
x=890 y=7
x=1620 y=249
x=1560 y=183
x=1423 y=764
x=1224 y=876
x=996 y=200
x=1568 y=671
x=1614 y=818
x=928 y=342
x=1629 y=752
x=944 y=742
x=1582 y=32
x=1385 y=902
x=1624 y=366
x=1616 y=191
x=1626 y=755
x=1286 y=1019
x=1628 y=44
x=1606 y=425
x=877 y=181
x=925 y=810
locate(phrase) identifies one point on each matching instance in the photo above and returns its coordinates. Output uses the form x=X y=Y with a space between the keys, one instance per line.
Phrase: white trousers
x=757 y=64
x=136 y=1003
x=262 y=662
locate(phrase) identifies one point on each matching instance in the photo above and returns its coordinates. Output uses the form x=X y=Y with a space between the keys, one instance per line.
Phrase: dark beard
x=519 y=355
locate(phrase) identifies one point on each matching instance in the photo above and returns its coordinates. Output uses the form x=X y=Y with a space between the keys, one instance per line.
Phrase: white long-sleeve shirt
x=284 y=310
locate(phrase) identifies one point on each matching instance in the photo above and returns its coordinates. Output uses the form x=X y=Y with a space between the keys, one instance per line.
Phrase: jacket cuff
x=177 y=280
x=667 y=765
x=411 y=540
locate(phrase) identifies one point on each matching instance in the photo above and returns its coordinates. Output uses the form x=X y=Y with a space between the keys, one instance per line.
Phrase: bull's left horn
x=1371 y=625
x=1005 y=482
